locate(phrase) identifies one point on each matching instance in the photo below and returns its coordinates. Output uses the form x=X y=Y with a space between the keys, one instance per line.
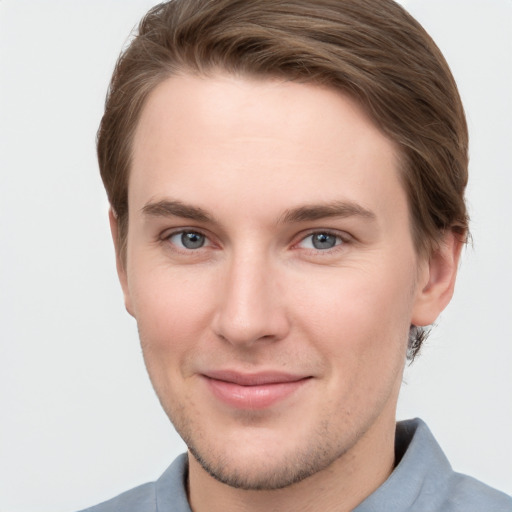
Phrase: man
x=286 y=183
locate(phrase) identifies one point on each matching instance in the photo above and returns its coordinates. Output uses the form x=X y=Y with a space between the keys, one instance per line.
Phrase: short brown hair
x=372 y=50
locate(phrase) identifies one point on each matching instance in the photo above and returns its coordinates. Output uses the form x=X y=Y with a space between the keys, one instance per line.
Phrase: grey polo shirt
x=423 y=481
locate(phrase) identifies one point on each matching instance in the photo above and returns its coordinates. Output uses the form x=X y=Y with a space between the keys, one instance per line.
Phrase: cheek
x=358 y=312
x=171 y=308
x=172 y=317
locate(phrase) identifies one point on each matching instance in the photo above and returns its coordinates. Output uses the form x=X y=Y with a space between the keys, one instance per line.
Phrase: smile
x=253 y=391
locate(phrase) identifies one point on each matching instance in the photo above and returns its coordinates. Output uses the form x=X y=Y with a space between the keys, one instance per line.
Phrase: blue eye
x=188 y=240
x=321 y=240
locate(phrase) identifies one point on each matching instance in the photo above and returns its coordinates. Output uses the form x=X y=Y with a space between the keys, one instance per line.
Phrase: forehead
x=231 y=140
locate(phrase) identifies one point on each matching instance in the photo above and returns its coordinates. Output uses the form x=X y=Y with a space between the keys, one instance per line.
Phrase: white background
x=79 y=420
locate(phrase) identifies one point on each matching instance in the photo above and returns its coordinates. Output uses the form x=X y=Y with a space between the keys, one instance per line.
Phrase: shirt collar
x=423 y=471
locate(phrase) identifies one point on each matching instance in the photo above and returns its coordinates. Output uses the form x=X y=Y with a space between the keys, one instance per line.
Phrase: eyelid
x=343 y=236
x=166 y=236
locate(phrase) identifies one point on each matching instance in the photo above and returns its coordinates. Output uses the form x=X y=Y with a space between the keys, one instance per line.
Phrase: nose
x=251 y=306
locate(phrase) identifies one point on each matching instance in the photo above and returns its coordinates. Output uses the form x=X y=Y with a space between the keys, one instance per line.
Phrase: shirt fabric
x=423 y=481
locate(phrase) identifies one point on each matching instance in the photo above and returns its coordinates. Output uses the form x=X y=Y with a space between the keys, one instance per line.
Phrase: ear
x=120 y=259
x=437 y=280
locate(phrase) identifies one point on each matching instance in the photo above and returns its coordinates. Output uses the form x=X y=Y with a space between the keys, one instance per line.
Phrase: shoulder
x=139 y=499
x=448 y=490
x=467 y=494
x=167 y=493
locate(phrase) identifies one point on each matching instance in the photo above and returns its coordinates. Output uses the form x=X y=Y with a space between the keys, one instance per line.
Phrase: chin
x=262 y=473
x=262 y=458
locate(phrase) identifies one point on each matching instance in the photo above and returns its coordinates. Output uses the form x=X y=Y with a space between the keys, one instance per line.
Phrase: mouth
x=253 y=391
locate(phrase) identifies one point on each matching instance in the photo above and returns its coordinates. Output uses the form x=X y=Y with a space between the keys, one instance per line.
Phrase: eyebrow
x=173 y=208
x=167 y=208
x=321 y=211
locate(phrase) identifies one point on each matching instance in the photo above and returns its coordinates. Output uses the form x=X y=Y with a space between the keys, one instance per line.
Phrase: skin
x=253 y=170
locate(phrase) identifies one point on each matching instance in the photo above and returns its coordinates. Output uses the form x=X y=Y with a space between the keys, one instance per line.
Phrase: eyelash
x=341 y=239
x=168 y=236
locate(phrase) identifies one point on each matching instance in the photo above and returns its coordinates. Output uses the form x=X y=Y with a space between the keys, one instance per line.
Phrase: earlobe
x=437 y=280
x=120 y=259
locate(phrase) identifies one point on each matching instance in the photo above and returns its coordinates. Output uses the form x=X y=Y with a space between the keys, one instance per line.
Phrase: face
x=271 y=271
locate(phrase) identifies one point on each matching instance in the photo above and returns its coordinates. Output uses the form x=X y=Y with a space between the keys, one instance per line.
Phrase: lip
x=253 y=390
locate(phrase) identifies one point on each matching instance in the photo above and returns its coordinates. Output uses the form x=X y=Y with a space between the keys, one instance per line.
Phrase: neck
x=338 y=488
